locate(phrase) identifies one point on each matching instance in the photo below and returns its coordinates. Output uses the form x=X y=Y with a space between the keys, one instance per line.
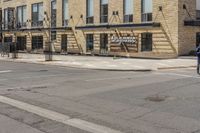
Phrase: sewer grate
x=156 y=98
x=43 y=70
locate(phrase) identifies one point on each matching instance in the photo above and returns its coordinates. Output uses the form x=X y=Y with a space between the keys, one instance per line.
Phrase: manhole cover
x=156 y=98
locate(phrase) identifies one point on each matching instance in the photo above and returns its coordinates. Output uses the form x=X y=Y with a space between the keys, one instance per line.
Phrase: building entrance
x=21 y=43
x=197 y=39
x=64 y=43
x=103 y=44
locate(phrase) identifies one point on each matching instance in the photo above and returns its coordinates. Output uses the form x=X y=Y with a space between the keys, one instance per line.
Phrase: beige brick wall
x=172 y=38
x=187 y=34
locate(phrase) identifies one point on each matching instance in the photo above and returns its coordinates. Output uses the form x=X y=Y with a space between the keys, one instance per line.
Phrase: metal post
x=48 y=54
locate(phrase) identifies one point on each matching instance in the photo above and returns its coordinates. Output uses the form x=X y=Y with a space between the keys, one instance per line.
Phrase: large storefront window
x=146 y=44
x=104 y=11
x=90 y=11
x=65 y=12
x=21 y=16
x=128 y=11
x=147 y=6
x=37 y=14
x=89 y=42
x=37 y=42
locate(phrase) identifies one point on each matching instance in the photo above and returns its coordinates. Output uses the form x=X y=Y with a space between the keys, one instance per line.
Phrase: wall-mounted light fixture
x=160 y=8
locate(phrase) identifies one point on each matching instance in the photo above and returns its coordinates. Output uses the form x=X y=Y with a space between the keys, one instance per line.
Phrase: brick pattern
x=172 y=39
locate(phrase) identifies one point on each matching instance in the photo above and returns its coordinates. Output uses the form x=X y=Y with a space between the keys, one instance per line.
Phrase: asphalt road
x=166 y=101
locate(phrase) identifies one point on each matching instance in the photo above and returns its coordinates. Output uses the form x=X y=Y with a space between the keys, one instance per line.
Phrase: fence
x=8 y=47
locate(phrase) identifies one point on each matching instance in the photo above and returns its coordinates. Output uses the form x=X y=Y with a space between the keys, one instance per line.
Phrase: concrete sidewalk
x=107 y=63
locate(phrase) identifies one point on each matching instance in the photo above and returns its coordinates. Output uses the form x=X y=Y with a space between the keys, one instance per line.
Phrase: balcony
x=21 y=25
x=37 y=24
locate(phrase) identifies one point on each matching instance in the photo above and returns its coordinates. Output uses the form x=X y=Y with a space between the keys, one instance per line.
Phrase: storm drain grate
x=43 y=71
x=156 y=98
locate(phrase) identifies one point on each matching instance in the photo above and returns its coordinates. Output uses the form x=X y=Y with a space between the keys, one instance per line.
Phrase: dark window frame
x=198 y=14
x=24 y=23
x=146 y=42
x=36 y=44
x=104 y=41
x=21 y=43
x=128 y=18
x=53 y=13
x=103 y=13
x=146 y=17
x=53 y=19
x=89 y=42
x=64 y=21
x=37 y=22
x=197 y=39
x=89 y=19
x=64 y=43
x=10 y=23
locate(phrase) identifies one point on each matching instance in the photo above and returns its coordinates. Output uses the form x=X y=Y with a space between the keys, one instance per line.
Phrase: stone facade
x=170 y=39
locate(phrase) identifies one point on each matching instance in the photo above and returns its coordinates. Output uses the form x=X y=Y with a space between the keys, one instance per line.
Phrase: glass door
x=103 y=44
x=64 y=43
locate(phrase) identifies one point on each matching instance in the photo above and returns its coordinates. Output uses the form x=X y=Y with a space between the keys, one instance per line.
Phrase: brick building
x=135 y=28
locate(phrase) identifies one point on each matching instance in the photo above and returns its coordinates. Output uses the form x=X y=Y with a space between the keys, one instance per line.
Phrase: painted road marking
x=77 y=123
x=116 y=78
x=6 y=71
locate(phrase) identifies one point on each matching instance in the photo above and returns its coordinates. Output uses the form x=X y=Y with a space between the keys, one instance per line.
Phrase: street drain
x=38 y=87
x=43 y=70
x=156 y=98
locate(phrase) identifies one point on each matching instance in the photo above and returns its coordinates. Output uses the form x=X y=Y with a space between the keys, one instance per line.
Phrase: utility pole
x=48 y=54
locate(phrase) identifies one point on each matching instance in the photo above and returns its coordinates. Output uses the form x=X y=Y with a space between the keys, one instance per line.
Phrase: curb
x=100 y=69
x=168 y=68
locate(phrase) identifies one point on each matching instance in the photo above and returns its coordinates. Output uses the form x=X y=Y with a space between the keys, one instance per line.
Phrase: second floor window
x=198 y=9
x=147 y=10
x=90 y=11
x=9 y=18
x=128 y=11
x=53 y=13
x=104 y=11
x=65 y=12
x=37 y=14
x=21 y=16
